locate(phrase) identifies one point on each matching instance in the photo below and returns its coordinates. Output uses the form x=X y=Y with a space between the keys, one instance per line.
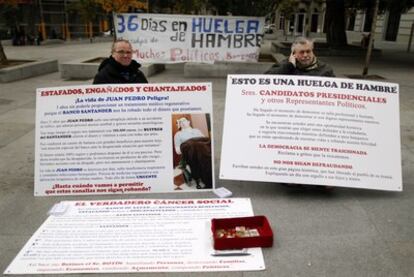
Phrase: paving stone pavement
x=344 y=232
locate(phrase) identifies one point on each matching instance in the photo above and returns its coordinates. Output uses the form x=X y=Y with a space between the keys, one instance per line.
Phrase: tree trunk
x=371 y=38
x=3 y=58
x=285 y=27
x=90 y=31
x=335 y=23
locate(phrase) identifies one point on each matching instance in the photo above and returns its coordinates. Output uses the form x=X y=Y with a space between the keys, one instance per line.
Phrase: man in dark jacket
x=302 y=61
x=120 y=68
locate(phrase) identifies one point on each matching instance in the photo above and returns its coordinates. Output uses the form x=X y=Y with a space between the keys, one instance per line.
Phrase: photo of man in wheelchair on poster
x=192 y=151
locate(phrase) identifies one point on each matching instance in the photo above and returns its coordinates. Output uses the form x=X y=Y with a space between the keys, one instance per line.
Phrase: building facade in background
x=293 y=21
x=35 y=20
x=390 y=26
x=54 y=19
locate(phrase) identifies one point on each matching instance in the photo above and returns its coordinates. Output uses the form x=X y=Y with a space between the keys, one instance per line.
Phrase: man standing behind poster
x=120 y=68
x=302 y=61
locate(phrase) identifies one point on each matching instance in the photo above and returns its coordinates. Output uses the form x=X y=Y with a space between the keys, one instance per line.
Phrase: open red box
x=260 y=223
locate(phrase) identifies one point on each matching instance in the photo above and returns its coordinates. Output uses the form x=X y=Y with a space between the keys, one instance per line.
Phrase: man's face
x=304 y=53
x=122 y=53
x=183 y=123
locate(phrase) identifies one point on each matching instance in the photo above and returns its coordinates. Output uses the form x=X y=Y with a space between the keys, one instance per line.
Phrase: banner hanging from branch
x=164 y=38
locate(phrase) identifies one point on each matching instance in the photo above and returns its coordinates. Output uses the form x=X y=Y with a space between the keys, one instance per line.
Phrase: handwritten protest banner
x=120 y=138
x=164 y=38
x=310 y=130
x=134 y=235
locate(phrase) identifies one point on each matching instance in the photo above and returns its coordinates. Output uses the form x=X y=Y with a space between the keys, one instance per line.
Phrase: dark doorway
x=314 y=23
x=292 y=23
x=392 y=26
x=299 y=26
x=368 y=20
x=351 y=21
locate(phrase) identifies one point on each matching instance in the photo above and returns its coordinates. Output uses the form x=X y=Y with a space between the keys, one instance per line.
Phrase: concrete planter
x=221 y=69
x=85 y=69
x=78 y=70
x=322 y=49
x=27 y=70
x=150 y=69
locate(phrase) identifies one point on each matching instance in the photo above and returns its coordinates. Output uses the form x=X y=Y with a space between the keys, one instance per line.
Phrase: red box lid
x=260 y=223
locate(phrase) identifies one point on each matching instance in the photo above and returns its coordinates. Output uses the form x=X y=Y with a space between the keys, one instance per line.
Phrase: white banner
x=134 y=235
x=312 y=130
x=165 y=38
x=111 y=139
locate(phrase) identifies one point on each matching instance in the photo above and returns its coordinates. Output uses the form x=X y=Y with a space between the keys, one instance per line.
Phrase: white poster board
x=312 y=130
x=115 y=139
x=133 y=235
x=172 y=38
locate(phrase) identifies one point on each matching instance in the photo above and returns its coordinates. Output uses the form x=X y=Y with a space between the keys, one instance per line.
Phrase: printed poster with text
x=312 y=130
x=172 y=38
x=134 y=235
x=115 y=139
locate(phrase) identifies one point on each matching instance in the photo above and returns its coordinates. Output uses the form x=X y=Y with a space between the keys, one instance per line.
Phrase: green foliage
x=265 y=7
x=189 y=6
x=160 y=5
x=10 y=12
x=244 y=7
x=390 y=5
x=287 y=7
x=120 y=6
x=12 y=16
x=86 y=9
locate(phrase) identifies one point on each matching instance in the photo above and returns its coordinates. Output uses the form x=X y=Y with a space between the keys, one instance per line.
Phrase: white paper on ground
x=134 y=235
